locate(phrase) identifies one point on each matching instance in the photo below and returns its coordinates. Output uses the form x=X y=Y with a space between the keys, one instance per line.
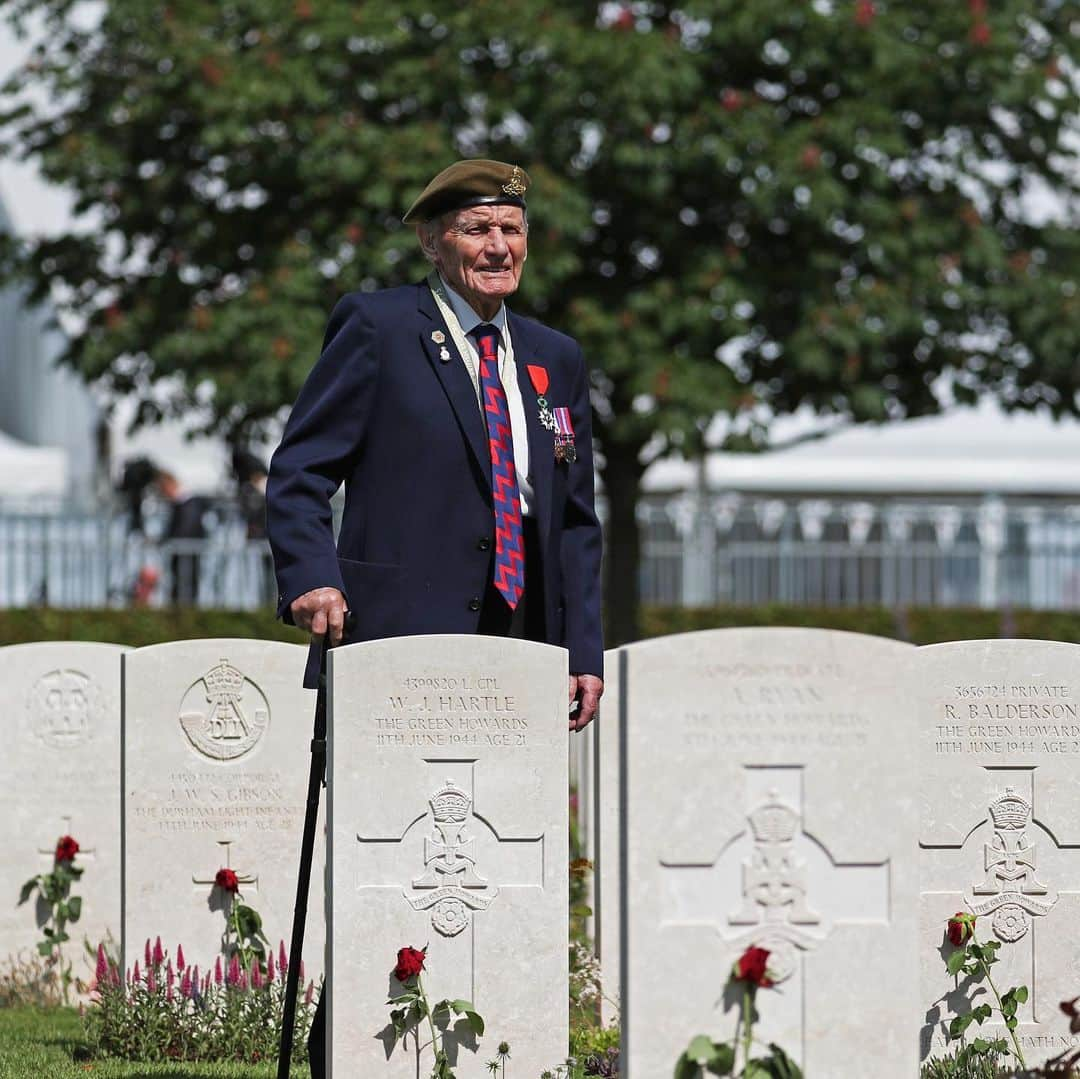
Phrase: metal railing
x=97 y=560
x=698 y=549
x=701 y=549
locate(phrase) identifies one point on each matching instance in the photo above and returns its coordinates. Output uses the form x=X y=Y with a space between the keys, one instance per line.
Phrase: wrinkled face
x=480 y=252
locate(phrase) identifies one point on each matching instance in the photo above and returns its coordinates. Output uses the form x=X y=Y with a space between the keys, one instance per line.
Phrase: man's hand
x=587 y=690
x=319 y=610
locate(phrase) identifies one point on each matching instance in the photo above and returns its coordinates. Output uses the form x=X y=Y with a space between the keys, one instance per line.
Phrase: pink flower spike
x=180 y=964
x=309 y=996
x=269 y=967
x=170 y=974
x=114 y=975
x=159 y=953
x=217 y=971
x=185 y=984
x=151 y=981
x=283 y=959
x=256 y=974
x=233 y=977
x=195 y=983
x=148 y=954
x=101 y=971
x=136 y=976
x=168 y=992
x=301 y=972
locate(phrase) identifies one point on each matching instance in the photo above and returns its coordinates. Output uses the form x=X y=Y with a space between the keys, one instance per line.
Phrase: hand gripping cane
x=314 y=675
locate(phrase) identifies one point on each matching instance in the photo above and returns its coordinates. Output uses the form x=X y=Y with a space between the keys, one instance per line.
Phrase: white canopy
x=31 y=472
x=974 y=451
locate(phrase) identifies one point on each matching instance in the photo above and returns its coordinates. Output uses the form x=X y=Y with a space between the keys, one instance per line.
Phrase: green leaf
x=581 y=911
x=701 y=1049
x=45 y=947
x=960 y=1024
x=475 y=1021
x=783 y=1066
x=685 y=1068
x=955 y=961
x=724 y=1061
x=1020 y=993
x=28 y=890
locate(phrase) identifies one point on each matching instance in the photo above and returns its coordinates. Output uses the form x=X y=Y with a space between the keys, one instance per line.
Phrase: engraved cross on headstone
x=450 y=860
x=997 y=867
x=776 y=887
x=66 y=829
x=242 y=878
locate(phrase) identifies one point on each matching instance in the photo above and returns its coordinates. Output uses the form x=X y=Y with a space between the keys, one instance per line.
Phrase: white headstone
x=999 y=753
x=771 y=800
x=61 y=707
x=217 y=737
x=606 y=843
x=448 y=826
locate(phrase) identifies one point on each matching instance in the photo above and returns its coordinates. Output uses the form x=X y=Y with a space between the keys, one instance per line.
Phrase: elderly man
x=462 y=434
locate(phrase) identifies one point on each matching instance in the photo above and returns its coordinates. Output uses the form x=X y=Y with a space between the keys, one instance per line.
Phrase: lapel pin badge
x=444 y=355
x=438 y=336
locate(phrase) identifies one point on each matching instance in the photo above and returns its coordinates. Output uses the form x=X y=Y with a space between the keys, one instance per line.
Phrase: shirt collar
x=468 y=318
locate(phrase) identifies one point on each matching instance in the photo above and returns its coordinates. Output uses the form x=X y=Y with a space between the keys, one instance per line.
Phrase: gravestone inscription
x=770 y=799
x=448 y=821
x=61 y=702
x=216 y=741
x=999 y=835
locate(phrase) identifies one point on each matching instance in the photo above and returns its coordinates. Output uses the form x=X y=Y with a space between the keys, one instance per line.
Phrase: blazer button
x=483 y=544
x=474 y=603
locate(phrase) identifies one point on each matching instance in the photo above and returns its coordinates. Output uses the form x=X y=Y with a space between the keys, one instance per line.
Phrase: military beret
x=470 y=183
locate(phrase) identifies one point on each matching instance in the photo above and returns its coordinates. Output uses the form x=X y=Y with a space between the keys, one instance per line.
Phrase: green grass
x=49 y=1045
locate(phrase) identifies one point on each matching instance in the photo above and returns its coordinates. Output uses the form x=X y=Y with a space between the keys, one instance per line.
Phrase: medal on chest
x=539 y=377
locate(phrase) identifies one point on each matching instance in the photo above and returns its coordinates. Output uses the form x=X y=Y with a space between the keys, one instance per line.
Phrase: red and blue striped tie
x=509 y=577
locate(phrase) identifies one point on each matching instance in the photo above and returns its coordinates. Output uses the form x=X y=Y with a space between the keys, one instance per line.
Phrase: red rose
x=66 y=849
x=227 y=881
x=751 y=968
x=961 y=928
x=409 y=963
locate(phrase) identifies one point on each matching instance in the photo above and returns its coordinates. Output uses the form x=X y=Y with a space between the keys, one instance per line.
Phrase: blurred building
x=49 y=423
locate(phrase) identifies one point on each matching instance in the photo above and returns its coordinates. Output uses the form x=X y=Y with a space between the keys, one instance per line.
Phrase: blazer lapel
x=541 y=443
x=455 y=380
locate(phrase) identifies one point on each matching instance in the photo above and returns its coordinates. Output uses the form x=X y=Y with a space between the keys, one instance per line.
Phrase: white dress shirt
x=469 y=320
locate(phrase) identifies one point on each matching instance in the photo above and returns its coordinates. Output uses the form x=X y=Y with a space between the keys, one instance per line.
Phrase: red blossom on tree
x=731 y=100
x=865 y=13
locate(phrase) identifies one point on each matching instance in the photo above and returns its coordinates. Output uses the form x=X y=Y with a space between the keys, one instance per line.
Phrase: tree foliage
x=737 y=208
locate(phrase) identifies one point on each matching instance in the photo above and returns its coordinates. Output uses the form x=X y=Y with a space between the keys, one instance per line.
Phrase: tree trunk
x=622 y=474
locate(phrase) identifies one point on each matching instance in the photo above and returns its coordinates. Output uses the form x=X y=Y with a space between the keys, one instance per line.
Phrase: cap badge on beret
x=516 y=184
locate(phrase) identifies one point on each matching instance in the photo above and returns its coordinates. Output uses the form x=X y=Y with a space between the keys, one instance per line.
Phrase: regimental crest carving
x=774 y=891
x=65 y=709
x=224 y=713
x=450 y=884
x=1013 y=894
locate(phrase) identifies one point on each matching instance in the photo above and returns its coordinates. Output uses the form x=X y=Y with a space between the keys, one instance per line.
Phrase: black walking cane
x=314 y=674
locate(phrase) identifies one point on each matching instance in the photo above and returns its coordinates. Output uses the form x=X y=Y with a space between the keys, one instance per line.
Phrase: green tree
x=737 y=208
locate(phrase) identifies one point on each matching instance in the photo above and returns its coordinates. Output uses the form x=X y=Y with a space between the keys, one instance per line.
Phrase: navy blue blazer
x=381 y=413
